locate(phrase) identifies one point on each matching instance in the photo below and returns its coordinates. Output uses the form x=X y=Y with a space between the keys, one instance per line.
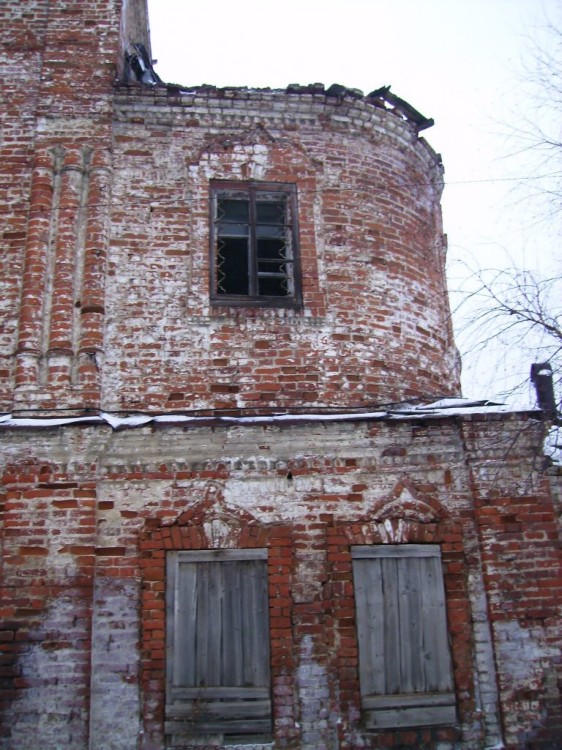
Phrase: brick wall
x=21 y=35
x=59 y=62
x=519 y=539
x=375 y=323
x=105 y=304
x=88 y=521
x=374 y=326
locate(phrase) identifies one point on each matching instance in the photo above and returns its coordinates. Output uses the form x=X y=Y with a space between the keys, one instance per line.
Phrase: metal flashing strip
x=443 y=408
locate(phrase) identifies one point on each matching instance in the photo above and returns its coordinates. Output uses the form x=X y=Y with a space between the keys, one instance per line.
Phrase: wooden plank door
x=218 y=676
x=404 y=656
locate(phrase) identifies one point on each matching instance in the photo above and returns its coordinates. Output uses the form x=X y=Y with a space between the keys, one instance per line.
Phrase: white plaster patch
x=393 y=532
x=314 y=699
x=521 y=655
x=115 y=661
x=52 y=668
x=485 y=677
x=219 y=533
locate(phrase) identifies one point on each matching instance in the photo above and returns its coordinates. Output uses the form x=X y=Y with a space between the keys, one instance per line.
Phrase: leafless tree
x=515 y=309
x=518 y=310
x=535 y=129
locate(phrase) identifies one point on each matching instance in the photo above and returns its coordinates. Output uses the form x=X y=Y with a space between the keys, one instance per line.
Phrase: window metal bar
x=280 y=238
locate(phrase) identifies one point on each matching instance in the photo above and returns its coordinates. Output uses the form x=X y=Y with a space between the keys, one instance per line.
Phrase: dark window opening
x=254 y=251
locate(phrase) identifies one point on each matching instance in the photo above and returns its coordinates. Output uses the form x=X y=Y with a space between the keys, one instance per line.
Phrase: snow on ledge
x=447 y=407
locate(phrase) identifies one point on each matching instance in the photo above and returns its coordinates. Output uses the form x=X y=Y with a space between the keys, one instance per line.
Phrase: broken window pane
x=271 y=248
x=254 y=243
x=232 y=210
x=232 y=266
x=271 y=212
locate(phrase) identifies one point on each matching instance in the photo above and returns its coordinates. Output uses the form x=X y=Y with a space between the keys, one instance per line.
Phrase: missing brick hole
x=289 y=476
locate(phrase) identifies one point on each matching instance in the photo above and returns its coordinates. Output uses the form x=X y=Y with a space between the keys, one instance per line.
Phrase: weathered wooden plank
x=256 y=644
x=436 y=650
x=250 y=628
x=370 y=625
x=232 y=693
x=202 y=616
x=411 y=717
x=218 y=605
x=394 y=550
x=407 y=701
x=402 y=632
x=251 y=726
x=212 y=623
x=389 y=573
x=232 y=656
x=410 y=609
x=204 y=709
x=212 y=555
x=184 y=626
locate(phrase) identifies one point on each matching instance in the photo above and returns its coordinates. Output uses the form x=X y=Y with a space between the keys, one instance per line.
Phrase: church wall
x=91 y=512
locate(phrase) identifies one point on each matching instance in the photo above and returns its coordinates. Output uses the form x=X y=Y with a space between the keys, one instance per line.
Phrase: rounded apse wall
x=355 y=312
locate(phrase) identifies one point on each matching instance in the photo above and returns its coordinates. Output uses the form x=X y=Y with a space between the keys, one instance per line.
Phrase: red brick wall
x=21 y=37
x=127 y=324
x=374 y=325
x=186 y=534
x=315 y=607
x=47 y=578
x=58 y=63
x=105 y=303
x=83 y=565
x=520 y=543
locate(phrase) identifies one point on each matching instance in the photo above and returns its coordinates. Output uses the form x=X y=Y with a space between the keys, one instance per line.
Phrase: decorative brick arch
x=405 y=501
x=212 y=524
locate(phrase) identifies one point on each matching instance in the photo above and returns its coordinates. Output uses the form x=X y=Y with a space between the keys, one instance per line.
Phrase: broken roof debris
x=141 y=71
x=140 y=66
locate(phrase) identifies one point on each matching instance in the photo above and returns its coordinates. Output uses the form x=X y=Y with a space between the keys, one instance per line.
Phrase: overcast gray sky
x=465 y=63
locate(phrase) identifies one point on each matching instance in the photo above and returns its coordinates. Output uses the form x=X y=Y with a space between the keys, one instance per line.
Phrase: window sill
x=265 y=302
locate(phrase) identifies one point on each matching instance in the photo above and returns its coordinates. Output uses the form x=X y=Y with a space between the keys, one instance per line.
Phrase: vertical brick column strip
x=91 y=295
x=67 y=252
x=309 y=632
x=522 y=570
x=35 y=271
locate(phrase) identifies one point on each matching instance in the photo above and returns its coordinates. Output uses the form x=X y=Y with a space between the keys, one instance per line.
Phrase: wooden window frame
x=241 y=713
x=251 y=191
x=405 y=670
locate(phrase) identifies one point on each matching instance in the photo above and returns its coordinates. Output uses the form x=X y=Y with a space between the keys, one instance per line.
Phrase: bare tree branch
x=517 y=309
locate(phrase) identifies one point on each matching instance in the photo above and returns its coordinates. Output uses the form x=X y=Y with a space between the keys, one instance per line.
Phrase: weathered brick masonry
x=90 y=512
x=374 y=324
x=108 y=311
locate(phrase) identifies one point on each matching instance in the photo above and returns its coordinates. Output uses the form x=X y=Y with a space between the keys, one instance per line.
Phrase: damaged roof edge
x=140 y=68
